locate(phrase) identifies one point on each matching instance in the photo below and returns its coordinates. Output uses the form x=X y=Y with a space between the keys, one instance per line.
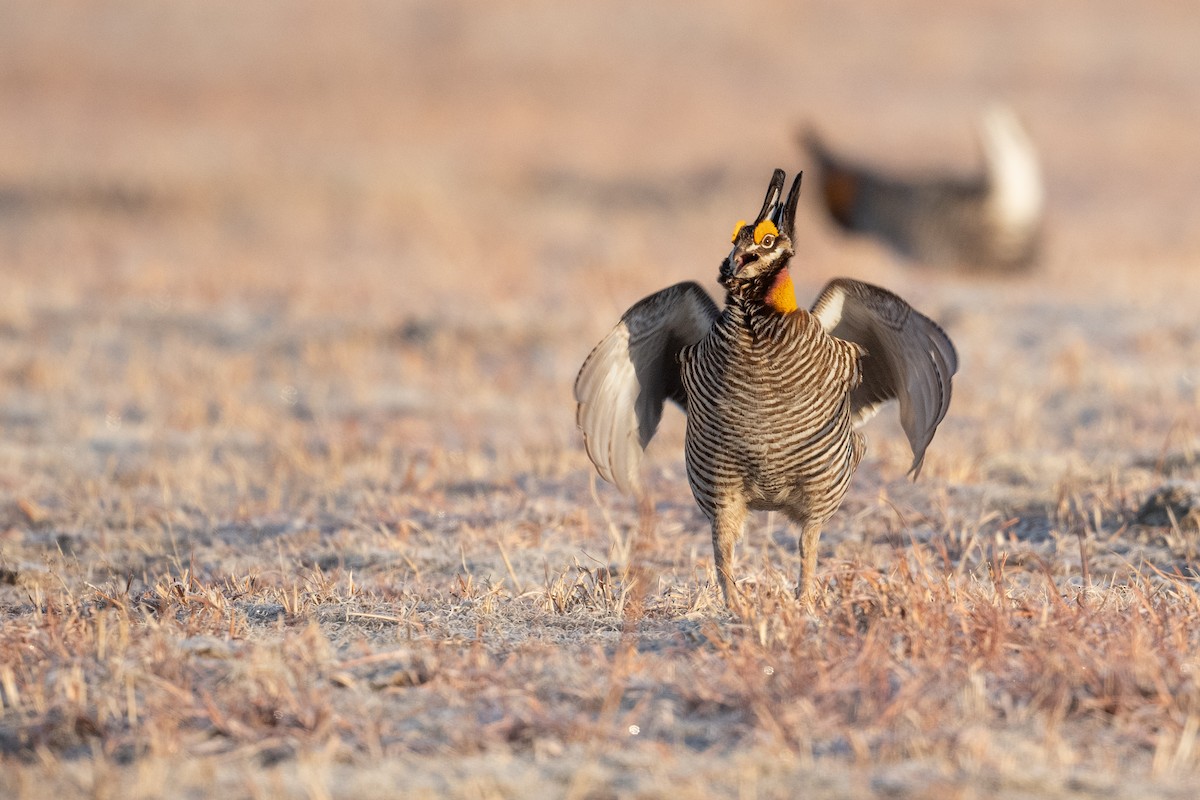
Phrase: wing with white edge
x=623 y=384
x=909 y=357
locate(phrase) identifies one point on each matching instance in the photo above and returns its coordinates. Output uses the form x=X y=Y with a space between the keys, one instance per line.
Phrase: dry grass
x=291 y=499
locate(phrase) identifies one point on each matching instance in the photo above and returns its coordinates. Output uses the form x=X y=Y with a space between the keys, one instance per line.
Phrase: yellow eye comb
x=762 y=229
x=741 y=223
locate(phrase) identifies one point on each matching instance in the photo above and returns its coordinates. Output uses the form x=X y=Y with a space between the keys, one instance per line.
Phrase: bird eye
x=768 y=240
x=764 y=229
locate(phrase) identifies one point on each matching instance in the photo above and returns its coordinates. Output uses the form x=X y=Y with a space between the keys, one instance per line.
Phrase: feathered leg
x=728 y=523
x=810 y=534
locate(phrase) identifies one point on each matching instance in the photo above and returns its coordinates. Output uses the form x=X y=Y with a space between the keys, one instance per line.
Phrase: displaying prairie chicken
x=990 y=221
x=773 y=393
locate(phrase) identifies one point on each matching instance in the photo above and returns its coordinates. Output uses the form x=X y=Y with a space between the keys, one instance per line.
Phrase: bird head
x=764 y=247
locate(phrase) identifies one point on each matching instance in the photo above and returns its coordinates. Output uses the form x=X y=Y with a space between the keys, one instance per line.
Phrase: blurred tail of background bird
x=990 y=221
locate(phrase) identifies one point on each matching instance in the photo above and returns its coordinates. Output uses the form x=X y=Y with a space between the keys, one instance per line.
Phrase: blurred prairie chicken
x=990 y=221
x=773 y=393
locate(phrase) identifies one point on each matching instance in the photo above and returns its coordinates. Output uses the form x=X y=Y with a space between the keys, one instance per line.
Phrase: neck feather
x=782 y=295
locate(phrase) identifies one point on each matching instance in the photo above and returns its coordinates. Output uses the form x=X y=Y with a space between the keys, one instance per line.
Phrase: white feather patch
x=1017 y=194
x=830 y=312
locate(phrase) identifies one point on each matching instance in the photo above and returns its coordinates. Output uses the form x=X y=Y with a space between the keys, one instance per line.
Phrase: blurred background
x=411 y=220
x=292 y=297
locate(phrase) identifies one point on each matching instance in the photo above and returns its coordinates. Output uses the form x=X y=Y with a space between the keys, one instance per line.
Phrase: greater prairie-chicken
x=990 y=221
x=773 y=393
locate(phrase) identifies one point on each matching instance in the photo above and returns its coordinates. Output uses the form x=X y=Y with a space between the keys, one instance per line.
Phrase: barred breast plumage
x=769 y=400
x=773 y=392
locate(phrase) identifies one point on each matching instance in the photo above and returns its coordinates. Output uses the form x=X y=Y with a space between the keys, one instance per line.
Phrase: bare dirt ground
x=291 y=498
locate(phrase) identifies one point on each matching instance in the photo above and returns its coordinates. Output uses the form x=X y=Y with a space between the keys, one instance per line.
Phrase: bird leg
x=728 y=524
x=809 y=535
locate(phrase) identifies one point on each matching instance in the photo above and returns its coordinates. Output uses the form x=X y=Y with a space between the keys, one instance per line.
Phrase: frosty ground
x=292 y=497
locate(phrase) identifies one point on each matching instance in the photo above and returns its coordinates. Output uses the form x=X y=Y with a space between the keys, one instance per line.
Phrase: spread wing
x=622 y=385
x=909 y=358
